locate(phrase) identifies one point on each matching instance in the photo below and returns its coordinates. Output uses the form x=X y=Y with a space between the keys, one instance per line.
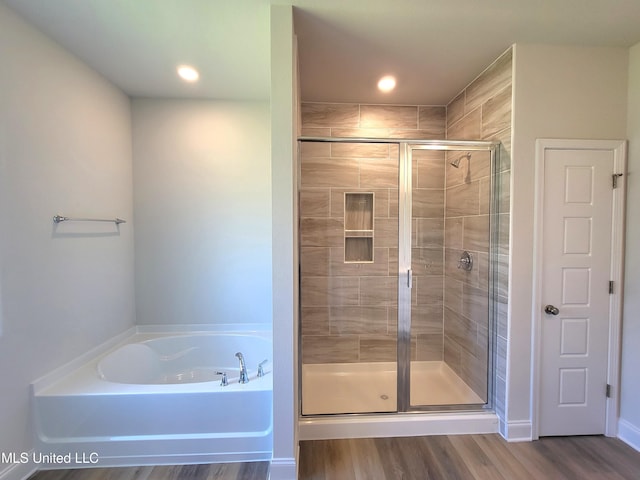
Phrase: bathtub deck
x=371 y=388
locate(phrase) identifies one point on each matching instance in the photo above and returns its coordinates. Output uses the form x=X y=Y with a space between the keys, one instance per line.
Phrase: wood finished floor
x=457 y=457
x=469 y=457
x=218 y=471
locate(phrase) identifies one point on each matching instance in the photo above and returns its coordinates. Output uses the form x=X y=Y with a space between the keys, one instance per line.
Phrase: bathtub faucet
x=244 y=378
x=224 y=381
x=261 y=368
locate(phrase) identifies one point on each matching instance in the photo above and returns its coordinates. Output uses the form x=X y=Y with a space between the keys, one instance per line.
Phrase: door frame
x=619 y=149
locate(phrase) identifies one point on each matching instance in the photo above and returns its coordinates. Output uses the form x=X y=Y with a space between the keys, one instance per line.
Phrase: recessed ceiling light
x=387 y=83
x=188 y=74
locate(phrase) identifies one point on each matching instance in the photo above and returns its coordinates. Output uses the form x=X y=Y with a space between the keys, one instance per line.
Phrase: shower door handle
x=409 y=278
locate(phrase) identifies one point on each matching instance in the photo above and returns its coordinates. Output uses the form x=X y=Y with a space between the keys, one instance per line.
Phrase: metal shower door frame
x=406 y=148
x=405 y=280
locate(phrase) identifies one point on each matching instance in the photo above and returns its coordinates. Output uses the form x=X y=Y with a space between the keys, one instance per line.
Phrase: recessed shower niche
x=358 y=227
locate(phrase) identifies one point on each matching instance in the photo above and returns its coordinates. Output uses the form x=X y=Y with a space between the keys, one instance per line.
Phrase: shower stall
x=397 y=255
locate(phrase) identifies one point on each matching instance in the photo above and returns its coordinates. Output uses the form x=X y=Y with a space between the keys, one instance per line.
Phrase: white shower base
x=371 y=388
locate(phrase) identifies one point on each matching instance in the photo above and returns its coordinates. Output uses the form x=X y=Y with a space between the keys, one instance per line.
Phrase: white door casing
x=578 y=252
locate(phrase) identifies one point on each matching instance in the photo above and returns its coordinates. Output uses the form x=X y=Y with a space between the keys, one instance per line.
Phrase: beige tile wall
x=377 y=121
x=481 y=111
x=349 y=310
x=466 y=312
x=427 y=254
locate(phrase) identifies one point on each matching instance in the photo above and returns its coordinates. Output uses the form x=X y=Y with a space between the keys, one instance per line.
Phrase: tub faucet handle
x=224 y=381
x=260 y=367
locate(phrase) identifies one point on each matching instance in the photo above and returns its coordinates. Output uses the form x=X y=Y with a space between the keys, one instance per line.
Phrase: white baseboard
x=518 y=431
x=18 y=471
x=502 y=428
x=629 y=434
x=283 y=469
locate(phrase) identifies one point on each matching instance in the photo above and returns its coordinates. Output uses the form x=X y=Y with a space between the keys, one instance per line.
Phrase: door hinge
x=608 y=391
x=610 y=287
x=409 y=278
x=615 y=177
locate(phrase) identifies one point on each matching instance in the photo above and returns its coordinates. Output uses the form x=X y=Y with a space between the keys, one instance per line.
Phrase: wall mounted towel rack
x=61 y=218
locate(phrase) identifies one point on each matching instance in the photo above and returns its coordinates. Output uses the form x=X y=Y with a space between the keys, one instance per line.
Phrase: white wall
x=285 y=247
x=65 y=147
x=202 y=203
x=630 y=405
x=559 y=92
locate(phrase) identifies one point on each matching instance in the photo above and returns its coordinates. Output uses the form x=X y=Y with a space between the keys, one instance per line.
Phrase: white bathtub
x=156 y=399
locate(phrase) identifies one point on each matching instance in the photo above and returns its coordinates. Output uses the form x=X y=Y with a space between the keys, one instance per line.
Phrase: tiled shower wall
x=349 y=310
x=481 y=111
x=466 y=311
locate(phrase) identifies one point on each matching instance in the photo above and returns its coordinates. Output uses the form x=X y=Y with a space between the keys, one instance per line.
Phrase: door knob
x=551 y=310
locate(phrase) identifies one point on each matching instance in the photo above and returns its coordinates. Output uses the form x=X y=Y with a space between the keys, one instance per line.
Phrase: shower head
x=456 y=163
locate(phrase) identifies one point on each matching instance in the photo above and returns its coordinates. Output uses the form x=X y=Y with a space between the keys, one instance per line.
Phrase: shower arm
x=456 y=163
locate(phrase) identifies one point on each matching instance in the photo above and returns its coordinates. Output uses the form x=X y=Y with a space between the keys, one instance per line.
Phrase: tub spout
x=244 y=377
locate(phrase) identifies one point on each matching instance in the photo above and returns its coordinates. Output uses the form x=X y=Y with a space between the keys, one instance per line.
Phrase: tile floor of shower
x=371 y=387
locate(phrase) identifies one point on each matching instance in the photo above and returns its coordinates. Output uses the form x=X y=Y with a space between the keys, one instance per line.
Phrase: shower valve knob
x=466 y=261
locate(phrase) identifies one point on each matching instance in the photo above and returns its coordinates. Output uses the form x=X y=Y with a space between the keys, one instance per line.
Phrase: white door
x=576 y=270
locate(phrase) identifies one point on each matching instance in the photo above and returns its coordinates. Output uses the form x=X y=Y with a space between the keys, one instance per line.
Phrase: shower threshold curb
x=398 y=425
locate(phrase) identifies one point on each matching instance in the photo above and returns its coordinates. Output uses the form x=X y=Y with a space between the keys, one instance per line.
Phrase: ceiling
x=433 y=47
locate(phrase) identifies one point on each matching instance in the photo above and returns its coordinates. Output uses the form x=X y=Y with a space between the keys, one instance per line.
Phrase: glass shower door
x=449 y=313
x=348 y=209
